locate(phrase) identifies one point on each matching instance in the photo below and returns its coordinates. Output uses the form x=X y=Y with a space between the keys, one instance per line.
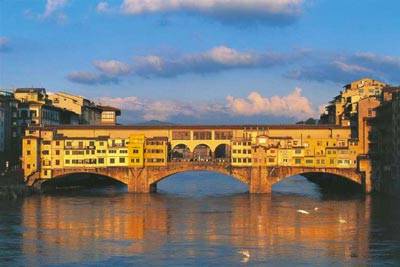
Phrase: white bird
x=342 y=220
x=316 y=208
x=303 y=211
x=245 y=253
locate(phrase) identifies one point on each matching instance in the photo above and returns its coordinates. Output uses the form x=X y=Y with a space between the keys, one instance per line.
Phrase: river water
x=201 y=219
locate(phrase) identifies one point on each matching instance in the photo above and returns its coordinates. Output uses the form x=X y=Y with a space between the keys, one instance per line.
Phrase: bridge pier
x=260 y=182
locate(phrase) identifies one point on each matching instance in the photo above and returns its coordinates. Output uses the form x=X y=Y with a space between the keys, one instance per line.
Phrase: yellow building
x=156 y=151
x=136 y=150
x=241 y=154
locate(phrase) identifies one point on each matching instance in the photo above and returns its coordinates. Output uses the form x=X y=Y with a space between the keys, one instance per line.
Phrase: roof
x=109 y=108
x=259 y=127
x=29 y=90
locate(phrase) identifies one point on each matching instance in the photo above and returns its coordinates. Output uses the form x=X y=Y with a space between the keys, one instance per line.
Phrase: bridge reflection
x=79 y=228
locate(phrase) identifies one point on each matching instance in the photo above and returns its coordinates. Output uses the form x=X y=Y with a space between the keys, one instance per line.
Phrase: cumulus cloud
x=274 y=12
x=112 y=67
x=215 y=60
x=348 y=67
x=294 y=105
x=4 y=44
x=161 y=109
x=89 y=78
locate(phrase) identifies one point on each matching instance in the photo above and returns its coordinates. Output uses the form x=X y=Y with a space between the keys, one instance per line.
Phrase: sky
x=200 y=61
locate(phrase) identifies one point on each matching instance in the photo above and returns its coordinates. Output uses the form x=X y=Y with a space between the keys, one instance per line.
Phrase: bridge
x=140 y=157
x=259 y=180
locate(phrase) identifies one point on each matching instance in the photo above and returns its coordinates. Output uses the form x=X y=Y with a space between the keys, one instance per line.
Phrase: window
x=57 y=143
x=67 y=161
x=202 y=135
x=28 y=152
x=45 y=152
x=121 y=160
x=112 y=161
x=28 y=142
x=297 y=161
x=69 y=143
x=57 y=152
x=101 y=160
x=28 y=166
x=57 y=162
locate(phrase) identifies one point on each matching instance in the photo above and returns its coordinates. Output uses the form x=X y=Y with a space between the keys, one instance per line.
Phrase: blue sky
x=200 y=61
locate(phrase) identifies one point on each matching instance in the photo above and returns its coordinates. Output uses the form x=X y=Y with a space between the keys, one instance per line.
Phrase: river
x=201 y=219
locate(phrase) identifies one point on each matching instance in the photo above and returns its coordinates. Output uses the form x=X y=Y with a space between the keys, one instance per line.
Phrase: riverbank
x=12 y=186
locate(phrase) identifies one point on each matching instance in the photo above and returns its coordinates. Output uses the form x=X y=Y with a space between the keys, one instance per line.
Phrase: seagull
x=245 y=253
x=303 y=211
x=342 y=220
x=316 y=208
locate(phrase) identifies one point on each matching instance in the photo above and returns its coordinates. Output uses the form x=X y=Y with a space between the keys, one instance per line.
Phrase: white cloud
x=52 y=6
x=233 y=11
x=102 y=7
x=293 y=105
x=161 y=109
x=112 y=67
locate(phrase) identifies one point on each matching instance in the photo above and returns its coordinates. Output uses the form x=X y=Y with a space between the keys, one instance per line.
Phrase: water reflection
x=162 y=229
x=70 y=229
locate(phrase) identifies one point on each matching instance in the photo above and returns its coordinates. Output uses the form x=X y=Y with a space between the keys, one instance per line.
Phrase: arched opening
x=201 y=183
x=222 y=153
x=82 y=181
x=181 y=152
x=318 y=185
x=202 y=153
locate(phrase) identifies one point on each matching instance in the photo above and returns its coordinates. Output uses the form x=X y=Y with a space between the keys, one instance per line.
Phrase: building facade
x=384 y=143
x=88 y=111
x=343 y=109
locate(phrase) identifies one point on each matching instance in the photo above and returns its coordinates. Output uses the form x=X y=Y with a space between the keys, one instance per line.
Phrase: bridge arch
x=281 y=173
x=222 y=151
x=202 y=152
x=181 y=152
x=242 y=177
x=80 y=179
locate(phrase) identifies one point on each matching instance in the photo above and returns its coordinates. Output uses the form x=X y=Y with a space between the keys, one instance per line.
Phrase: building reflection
x=72 y=229
x=92 y=228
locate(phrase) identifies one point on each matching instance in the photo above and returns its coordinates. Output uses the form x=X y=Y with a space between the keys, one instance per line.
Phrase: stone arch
x=202 y=152
x=181 y=151
x=222 y=151
x=242 y=177
x=80 y=178
x=279 y=173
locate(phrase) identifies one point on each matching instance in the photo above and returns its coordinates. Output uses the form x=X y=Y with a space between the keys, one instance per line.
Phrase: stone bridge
x=258 y=179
